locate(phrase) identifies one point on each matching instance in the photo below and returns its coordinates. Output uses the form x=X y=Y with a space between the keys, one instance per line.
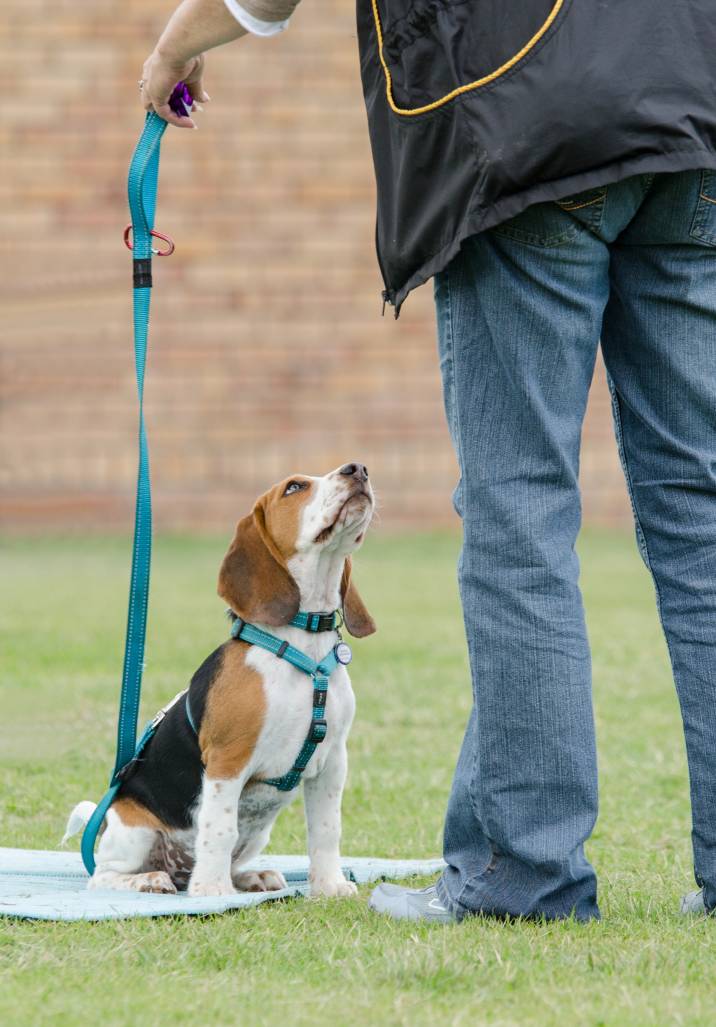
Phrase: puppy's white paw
x=259 y=880
x=274 y=880
x=157 y=881
x=332 y=887
x=205 y=888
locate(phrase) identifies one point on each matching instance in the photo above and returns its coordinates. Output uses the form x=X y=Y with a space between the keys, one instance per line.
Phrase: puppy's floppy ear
x=355 y=615
x=253 y=578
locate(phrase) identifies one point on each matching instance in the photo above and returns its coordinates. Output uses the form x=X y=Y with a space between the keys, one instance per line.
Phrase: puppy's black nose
x=357 y=471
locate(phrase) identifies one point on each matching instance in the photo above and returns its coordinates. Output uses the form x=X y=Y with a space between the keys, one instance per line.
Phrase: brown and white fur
x=292 y=552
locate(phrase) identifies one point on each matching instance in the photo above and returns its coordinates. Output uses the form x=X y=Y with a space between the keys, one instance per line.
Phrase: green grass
x=305 y=962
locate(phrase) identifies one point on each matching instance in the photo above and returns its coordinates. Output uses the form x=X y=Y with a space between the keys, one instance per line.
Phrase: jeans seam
x=457 y=434
x=451 y=400
x=646 y=183
x=619 y=434
x=461 y=462
x=458 y=898
x=645 y=553
x=453 y=377
x=453 y=905
x=621 y=445
x=469 y=883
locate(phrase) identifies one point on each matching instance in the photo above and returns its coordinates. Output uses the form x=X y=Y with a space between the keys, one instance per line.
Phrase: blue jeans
x=521 y=310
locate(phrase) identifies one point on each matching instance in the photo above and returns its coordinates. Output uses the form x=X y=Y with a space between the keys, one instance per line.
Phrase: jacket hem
x=510 y=206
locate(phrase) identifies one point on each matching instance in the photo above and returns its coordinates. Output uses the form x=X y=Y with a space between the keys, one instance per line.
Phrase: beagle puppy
x=197 y=806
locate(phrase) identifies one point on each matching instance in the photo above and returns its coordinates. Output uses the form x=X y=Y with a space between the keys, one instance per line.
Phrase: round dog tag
x=343 y=653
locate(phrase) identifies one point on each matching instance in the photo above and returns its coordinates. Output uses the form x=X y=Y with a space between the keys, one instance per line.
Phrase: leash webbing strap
x=142 y=193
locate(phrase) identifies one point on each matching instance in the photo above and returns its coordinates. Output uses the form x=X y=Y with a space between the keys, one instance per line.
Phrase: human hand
x=160 y=74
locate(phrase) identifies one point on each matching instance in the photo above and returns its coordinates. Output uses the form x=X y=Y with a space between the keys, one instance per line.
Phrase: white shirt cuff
x=255 y=25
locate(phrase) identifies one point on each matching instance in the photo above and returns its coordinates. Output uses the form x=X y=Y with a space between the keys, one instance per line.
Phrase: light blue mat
x=41 y=885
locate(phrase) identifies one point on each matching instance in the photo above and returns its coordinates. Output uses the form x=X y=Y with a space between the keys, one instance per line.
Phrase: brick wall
x=267 y=352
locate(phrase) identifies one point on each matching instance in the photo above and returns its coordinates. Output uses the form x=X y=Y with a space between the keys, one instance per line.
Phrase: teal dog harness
x=320 y=672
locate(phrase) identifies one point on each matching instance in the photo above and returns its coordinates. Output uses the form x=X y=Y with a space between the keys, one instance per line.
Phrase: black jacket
x=479 y=108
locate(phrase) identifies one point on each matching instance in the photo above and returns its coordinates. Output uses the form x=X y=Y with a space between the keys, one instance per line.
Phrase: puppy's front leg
x=322 y=795
x=216 y=837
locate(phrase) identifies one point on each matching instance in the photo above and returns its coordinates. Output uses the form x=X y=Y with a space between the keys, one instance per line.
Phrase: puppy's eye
x=295 y=486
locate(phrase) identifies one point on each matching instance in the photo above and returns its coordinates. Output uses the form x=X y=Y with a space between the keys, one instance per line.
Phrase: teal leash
x=142 y=192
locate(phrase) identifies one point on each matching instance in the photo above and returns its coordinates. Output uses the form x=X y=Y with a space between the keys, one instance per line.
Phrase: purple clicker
x=181 y=100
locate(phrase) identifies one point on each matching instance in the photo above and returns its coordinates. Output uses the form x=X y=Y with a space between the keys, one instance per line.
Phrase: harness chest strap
x=319 y=671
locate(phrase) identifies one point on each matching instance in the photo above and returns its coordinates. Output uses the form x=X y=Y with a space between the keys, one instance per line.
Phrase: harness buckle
x=318 y=731
x=159 y=716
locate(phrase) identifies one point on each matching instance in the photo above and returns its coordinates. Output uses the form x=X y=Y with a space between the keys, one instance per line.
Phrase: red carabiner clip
x=156 y=235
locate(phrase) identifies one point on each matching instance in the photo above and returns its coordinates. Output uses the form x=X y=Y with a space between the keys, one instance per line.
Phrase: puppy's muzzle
x=358 y=472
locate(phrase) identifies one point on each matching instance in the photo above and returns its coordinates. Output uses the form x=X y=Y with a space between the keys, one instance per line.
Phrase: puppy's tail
x=78 y=819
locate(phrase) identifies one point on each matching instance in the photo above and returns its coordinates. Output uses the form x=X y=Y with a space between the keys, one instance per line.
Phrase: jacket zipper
x=388 y=294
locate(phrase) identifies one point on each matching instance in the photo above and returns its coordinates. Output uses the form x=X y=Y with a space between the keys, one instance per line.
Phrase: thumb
x=195 y=81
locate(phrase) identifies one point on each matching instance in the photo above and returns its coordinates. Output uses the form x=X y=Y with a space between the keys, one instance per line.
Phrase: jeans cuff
x=443 y=894
x=583 y=911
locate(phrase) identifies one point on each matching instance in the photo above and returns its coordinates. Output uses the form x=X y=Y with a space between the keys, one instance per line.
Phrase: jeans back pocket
x=545 y=224
x=587 y=207
x=703 y=225
x=541 y=224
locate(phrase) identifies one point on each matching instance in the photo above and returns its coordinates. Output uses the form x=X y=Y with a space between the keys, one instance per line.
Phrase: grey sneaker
x=693 y=903
x=410 y=904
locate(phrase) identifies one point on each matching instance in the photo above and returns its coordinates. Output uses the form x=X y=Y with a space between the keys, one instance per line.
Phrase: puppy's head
x=300 y=516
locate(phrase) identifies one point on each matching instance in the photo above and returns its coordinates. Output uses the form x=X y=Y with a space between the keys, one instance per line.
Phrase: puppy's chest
x=289 y=706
